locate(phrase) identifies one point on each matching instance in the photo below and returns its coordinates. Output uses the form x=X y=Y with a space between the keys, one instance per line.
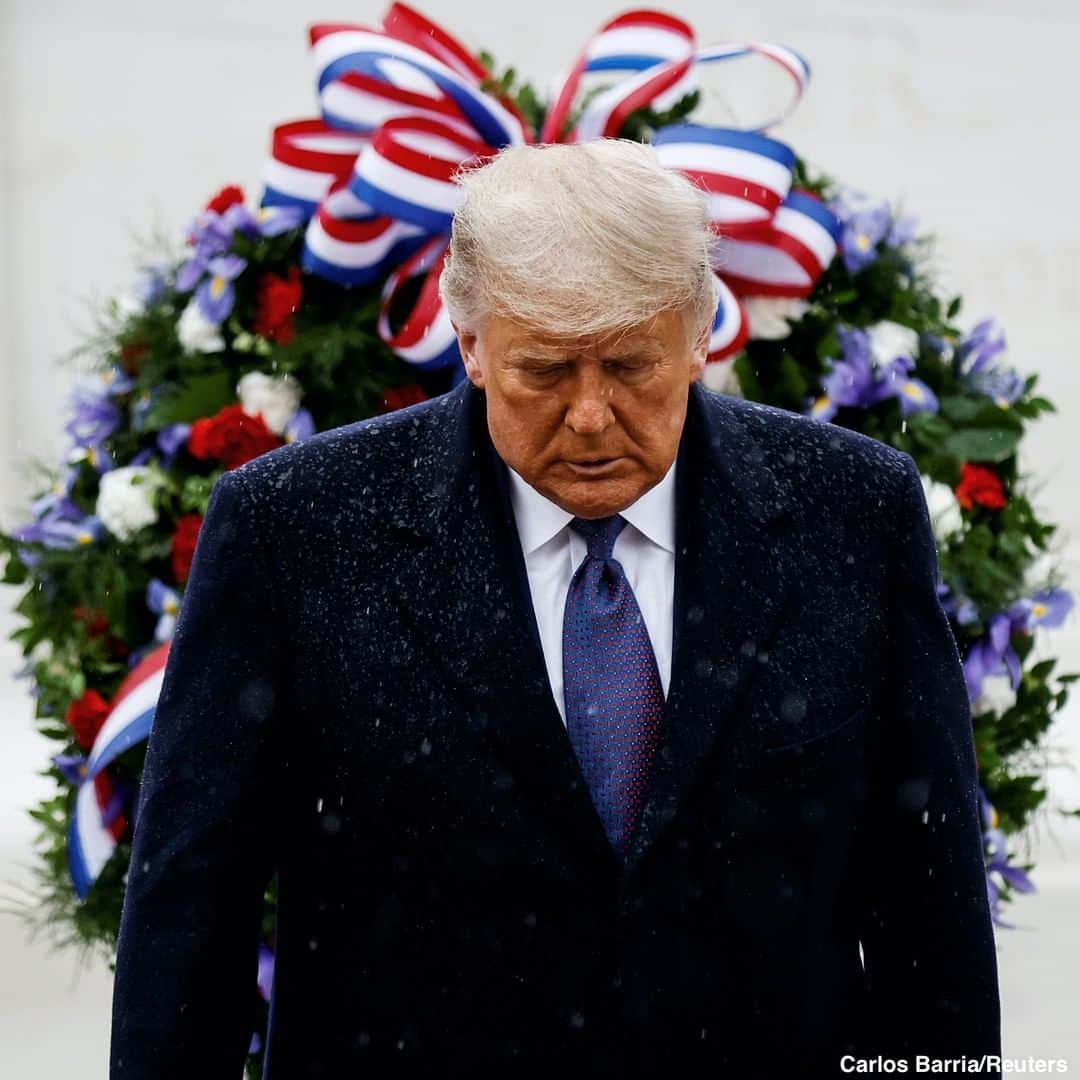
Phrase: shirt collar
x=539 y=519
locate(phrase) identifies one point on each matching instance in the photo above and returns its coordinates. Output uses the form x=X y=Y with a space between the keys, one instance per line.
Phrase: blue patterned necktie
x=614 y=698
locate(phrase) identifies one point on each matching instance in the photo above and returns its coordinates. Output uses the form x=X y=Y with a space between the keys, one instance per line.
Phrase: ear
x=467 y=343
x=700 y=352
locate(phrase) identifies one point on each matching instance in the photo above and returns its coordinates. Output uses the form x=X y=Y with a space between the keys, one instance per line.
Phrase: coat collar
x=465 y=591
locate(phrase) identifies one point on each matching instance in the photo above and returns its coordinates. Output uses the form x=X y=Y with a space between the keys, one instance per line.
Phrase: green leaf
x=982 y=444
x=929 y=429
x=199 y=396
x=959 y=408
x=1042 y=668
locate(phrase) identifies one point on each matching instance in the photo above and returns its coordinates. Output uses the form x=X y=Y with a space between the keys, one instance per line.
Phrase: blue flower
x=163 y=601
x=216 y=294
x=863 y=231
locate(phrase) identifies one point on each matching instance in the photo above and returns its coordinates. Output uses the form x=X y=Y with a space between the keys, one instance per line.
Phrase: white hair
x=579 y=239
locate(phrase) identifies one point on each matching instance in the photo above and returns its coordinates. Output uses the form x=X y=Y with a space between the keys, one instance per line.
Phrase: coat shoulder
x=824 y=461
x=374 y=456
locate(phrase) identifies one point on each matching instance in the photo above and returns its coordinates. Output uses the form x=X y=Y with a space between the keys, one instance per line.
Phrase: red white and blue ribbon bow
x=96 y=821
x=403 y=107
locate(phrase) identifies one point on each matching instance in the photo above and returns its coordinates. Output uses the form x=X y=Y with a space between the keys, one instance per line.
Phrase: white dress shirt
x=645 y=547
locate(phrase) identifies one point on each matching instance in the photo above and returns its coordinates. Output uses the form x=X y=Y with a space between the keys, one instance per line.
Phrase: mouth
x=594 y=466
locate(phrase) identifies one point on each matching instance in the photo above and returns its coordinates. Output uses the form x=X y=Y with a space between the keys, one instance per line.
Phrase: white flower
x=196 y=332
x=126 y=501
x=997 y=694
x=945 y=512
x=768 y=315
x=277 y=397
x=888 y=340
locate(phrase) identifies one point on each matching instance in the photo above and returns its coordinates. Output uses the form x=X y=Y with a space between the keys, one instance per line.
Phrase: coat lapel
x=732 y=586
x=465 y=592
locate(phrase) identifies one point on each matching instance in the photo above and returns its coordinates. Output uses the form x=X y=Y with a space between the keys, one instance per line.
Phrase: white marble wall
x=120 y=119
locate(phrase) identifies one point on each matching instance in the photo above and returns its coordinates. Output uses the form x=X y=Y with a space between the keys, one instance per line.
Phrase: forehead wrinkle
x=618 y=350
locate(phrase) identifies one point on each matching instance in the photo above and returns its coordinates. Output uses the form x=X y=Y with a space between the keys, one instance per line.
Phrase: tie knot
x=600 y=533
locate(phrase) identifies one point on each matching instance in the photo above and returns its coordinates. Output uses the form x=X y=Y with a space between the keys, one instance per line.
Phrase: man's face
x=555 y=405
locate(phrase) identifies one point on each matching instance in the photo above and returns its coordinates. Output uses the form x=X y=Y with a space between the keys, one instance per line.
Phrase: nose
x=589 y=410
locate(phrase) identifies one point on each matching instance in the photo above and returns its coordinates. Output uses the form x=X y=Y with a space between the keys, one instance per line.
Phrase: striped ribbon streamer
x=405 y=105
x=96 y=821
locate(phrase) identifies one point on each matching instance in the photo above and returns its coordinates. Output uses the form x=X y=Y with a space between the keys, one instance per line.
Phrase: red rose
x=979 y=484
x=85 y=717
x=96 y=623
x=231 y=437
x=225 y=198
x=183 y=545
x=398 y=397
x=278 y=298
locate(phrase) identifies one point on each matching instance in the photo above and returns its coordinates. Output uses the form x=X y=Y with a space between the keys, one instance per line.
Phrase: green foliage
x=988 y=559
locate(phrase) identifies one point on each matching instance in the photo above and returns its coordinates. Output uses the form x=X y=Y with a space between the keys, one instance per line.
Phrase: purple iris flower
x=275 y=220
x=210 y=237
x=98 y=456
x=850 y=201
x=266 y=970
x=1004 y=387
x=26 y=556
x=266 y=221
x=117 y=381
x=937 y=343
x=58 y=532
x=913 y=394
x=995 y=846
x=171 y=440
x=165 y=602
x=72 y=767
x=94 y=416
x=854 y=380
x=976 y=349
x=851 y=379
x=301 y=426
x=902 y=231
x=58 y=498
x=216 y=295
x=993 y=654
x=190 y=273
x=973 y=363
x=863 y=231
x=958 y=608
x=1048 y=607
x=866 y=222
x=966 y=612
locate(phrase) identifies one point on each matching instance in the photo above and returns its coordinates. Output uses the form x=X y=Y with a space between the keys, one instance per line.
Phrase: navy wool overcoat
x=356 y=700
